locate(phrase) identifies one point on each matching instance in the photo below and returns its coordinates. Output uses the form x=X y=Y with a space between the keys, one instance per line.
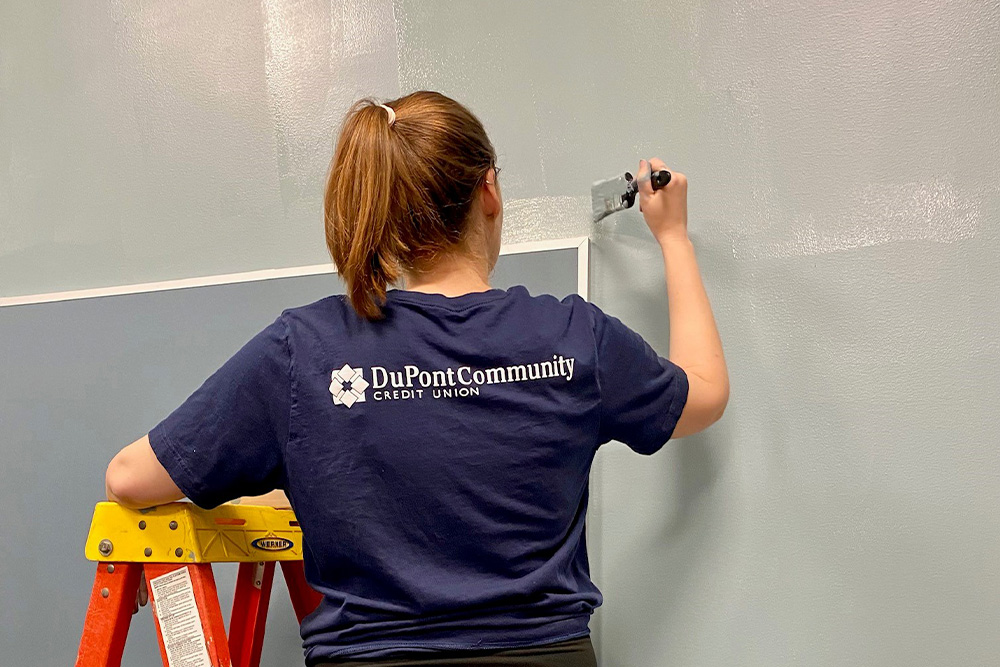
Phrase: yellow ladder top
x=185 y=533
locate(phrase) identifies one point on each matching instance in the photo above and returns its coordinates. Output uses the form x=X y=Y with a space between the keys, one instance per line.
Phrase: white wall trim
x=578 y=243
x=181 y=283
x=583 y=269
x=541 y=246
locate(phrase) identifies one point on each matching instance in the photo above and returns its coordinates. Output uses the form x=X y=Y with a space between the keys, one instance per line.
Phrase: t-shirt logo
x=348 y=386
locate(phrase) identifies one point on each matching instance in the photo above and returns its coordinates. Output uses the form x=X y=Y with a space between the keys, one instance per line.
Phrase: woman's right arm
x=695 y=344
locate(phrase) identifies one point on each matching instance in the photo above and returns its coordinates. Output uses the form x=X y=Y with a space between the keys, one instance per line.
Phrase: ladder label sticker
x=180 y=622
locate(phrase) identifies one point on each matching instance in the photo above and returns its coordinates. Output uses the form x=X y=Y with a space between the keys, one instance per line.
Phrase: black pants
x=570 y=653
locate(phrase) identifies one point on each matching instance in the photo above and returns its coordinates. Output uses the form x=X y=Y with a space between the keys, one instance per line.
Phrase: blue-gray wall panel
x=80 y=380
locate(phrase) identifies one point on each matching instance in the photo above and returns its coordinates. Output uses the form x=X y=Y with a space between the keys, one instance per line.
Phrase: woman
x=435 y=441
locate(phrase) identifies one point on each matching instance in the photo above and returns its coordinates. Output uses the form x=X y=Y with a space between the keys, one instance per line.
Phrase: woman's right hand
x=665 y=210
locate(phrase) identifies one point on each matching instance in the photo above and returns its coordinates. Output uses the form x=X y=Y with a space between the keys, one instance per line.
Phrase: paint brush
x=618 y=194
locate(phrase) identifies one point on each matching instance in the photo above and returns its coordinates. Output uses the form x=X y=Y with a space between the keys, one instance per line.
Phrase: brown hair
x=399 y=195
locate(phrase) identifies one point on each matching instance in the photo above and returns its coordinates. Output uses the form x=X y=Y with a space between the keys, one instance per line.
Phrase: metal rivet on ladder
x=142 y=525
x=105 y=547
x=173 y=525
x=105 y=592
x=178 y=552
x=111 y=568
x=148 y=552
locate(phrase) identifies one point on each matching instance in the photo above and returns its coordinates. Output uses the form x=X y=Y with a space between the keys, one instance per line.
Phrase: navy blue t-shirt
x=437 y=460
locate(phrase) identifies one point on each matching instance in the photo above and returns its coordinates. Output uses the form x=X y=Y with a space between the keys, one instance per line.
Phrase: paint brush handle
x=658 y=179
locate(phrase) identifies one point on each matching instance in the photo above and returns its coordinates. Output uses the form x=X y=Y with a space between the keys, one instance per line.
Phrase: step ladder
x=175 y=545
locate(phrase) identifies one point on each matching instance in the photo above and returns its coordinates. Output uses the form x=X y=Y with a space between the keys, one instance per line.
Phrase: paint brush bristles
x=618 y=194
x=607 y=197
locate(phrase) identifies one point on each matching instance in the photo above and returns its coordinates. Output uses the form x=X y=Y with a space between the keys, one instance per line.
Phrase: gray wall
x=844 y=202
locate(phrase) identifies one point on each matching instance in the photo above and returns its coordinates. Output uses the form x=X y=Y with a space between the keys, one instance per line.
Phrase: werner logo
x=272 y=543
x=348 y=384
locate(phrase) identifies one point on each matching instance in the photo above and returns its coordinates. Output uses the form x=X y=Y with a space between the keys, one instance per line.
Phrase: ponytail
x=399 y=193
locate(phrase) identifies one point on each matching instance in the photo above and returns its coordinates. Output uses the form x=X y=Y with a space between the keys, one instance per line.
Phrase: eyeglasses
x=496 y=174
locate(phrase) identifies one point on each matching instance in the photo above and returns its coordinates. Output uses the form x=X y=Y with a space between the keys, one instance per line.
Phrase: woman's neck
x=451 y=275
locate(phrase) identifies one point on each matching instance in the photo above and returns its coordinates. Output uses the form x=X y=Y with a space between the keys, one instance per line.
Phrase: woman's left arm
x=136 y=478
x=225 y=441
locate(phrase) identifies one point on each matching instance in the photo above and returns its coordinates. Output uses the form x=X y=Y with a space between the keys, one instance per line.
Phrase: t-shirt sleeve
x=227 y=439
x=642 y=393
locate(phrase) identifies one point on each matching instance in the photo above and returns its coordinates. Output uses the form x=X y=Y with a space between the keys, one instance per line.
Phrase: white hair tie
x=392 y=114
